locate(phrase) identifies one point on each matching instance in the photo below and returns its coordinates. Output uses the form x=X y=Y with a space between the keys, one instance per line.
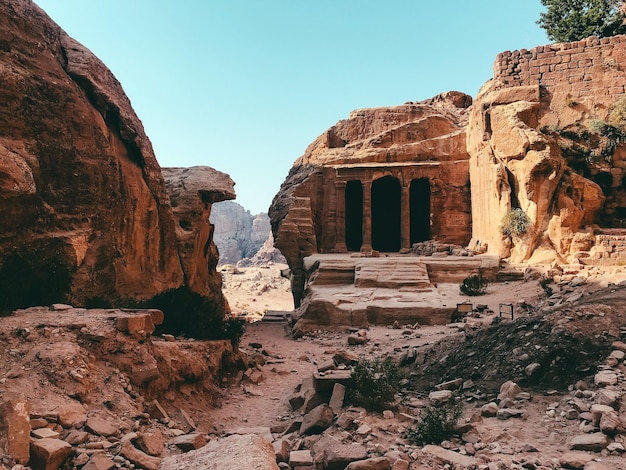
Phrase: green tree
x=572 y=20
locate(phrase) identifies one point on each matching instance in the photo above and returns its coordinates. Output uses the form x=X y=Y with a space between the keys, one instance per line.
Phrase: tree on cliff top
x=572 y=20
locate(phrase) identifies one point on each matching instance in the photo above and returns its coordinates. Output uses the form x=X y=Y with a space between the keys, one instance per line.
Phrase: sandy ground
x=536 y=437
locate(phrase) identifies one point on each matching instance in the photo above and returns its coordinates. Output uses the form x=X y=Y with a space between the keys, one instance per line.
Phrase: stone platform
x=345 y=290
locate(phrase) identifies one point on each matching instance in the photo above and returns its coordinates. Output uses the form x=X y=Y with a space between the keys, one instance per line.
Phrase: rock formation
x=533 y=147
x=85 y=216
x=80 y=187
x=192 y=192
x=380 y=180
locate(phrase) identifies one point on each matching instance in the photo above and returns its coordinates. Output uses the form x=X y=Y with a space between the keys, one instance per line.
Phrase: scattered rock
x=376 y=463
x=317 y=420
x=15 y=430
x=593 y=442
x=188 y=442
x=100 y=427
x=236 y=451
x=49 y=454
x=138 y=457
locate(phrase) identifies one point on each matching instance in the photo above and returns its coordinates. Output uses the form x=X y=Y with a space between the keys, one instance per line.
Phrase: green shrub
x=436 y=424
x=474 y=285
x=611 y=136
x=545 y=285
x=374 y=383
x=617 y=116
x=515 y=222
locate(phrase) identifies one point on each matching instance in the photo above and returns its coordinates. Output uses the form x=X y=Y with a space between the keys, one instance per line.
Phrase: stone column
x=367 y=217
x=340 y=217
x=405 y=218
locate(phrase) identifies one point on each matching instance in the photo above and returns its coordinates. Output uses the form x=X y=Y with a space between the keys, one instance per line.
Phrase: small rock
x=356 y=340
x=593 y=442
x=489 y=410
x=575 y=460
x=532 y=369
x=100 y=427
x=377 y=463
x=509 y=390
x=605 y=378
x=49 y=453
x=506 y=413
x=440 y=397
x=189 y=442
x=99 y=462
x=317 y=420
x=300 y=458
x=44 y=433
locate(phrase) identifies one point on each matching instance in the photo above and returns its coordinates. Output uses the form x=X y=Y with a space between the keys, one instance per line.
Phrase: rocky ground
x=96 y=390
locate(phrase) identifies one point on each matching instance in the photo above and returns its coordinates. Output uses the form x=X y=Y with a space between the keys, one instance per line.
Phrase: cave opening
x=386 y=214
x=354 y=215
x=419 y=203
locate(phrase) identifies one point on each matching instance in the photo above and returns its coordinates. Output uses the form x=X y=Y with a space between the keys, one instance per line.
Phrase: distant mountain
x=238 y=233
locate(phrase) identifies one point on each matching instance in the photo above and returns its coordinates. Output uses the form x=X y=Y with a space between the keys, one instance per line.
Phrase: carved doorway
x=419 y=203
x=386 y=214
x=354 y=215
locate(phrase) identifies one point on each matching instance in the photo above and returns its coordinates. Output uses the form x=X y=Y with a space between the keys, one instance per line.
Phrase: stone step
x=392 y=273
x=276 y=316
x=509 y=274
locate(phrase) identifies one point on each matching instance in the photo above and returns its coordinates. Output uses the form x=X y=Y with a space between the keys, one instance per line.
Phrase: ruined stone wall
x=581 y=68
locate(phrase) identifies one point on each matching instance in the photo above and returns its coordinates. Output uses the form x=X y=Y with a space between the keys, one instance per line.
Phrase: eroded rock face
x=85 y=214
x=82 y=198
x=193 y=191
x=380 y=180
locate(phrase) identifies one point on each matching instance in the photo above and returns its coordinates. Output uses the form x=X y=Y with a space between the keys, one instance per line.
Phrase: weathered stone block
x=15 y=430
x=49 y=454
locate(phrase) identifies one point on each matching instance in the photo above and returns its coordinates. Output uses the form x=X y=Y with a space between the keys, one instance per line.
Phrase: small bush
x=436 y=424
x=474 y=285
x=515 y=222
x=617 y=116
x=374 y=383
x=611 y=136
x=545 y=285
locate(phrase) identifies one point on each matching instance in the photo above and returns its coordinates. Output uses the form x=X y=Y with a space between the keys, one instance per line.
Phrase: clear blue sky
x=245 y=85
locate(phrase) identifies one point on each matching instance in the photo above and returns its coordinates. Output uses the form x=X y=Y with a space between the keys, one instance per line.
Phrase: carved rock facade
x=381 y=180
x=389 y=177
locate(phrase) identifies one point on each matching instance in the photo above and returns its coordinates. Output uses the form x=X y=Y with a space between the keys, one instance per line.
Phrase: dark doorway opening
x=354 y=215
x=386 y=218
x=420 y=210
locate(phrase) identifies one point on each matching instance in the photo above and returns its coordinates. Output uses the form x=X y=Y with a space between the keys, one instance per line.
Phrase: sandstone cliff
x=85 y=216
x=536 y=143
x=193 y=192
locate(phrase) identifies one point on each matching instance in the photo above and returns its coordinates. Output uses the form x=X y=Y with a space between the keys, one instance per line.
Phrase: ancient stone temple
x=382 y=179
x=544 y=138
